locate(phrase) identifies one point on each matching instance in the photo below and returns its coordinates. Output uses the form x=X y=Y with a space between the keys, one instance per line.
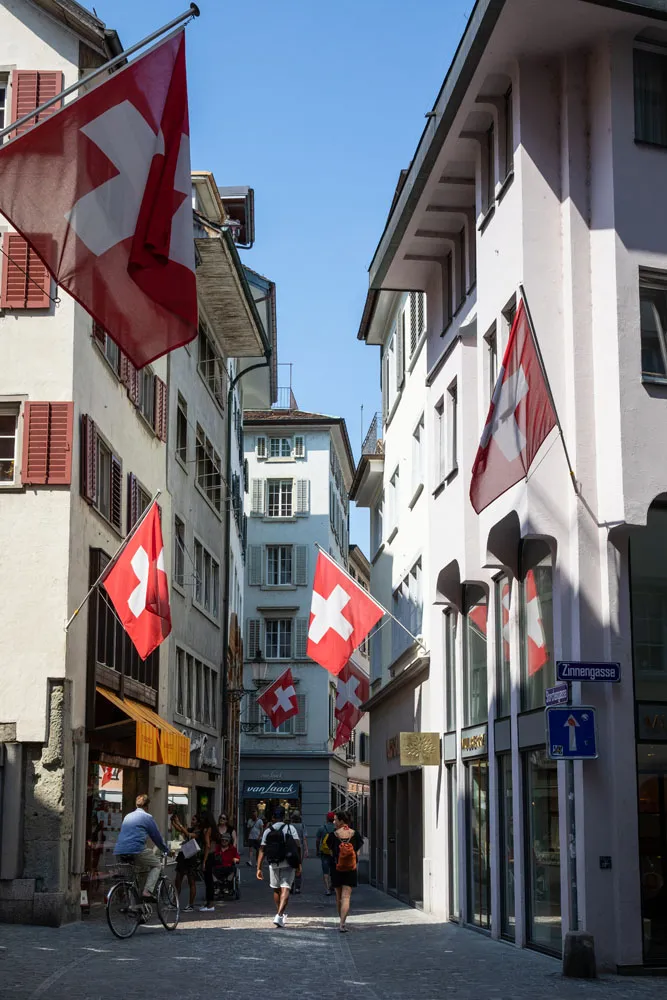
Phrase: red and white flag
x=505 y=599
x=137 y=586
x=101 y=191
x=279 y=701
x=107 y=776
x=521 y=415
x=352 y=690
x=343 y=734
x=538 y=651
x=341 y=616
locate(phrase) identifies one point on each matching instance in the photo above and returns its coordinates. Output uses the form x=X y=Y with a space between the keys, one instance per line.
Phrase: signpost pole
x=572 y=846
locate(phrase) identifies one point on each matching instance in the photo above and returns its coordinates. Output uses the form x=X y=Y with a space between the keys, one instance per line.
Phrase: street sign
x=571 y=733
x=557 y=695
x=582 y=670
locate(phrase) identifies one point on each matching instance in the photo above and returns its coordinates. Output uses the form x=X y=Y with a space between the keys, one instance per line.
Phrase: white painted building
x=300 y=469
x=528 y=173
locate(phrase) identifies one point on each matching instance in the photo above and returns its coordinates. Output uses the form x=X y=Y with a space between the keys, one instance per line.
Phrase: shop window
x=474 y=672
x=648 y=563
x=479 y=874
x=453 y=841
x=506 y=818
x=542 y=851
x=450 y=620
x=503 y=592
x=536 y=623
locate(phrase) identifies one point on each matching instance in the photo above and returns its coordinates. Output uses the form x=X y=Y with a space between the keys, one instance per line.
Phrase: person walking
x=323 y=850
x=224 y=826
x=302 y=833
x=211 y=838
x=345 y=846
x=137 y=827
x=186 y=867
x=280 y=848
x=255 y=831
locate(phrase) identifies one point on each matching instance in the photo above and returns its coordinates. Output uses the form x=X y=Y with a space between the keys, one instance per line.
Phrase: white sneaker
x=207 y=909
x=279 y=920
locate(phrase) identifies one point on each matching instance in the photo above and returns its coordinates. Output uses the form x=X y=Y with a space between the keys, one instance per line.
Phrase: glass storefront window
x=503 y=594
x=536 y=622
x=648 y=566
x=652 y=783
x=479 y=878
x=505 y=791
x=542 y=851
x=453 y=838
x=450 y=670
x=474 y=674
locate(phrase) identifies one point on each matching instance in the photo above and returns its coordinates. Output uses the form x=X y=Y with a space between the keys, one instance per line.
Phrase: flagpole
x=370 y=596
x=540 y=359
x=193 y=11
x=112 y=562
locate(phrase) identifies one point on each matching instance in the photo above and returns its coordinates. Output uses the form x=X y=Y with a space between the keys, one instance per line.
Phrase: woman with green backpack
x=345 y=846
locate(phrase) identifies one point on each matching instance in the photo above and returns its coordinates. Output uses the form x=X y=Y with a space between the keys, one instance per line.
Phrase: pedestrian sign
x=571 y=733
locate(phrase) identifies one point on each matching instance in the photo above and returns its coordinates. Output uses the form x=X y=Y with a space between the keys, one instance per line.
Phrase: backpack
x=292 y=848
x=325 y=846
x=275 y=846
x=347 y=856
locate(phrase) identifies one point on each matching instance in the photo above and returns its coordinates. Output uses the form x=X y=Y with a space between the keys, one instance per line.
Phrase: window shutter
x=130 y=378
x=299 y=446
x=413 y=323
x=26 y=283
x=260 y=447
x=35 y=443
x=255 y=637
x=421 y=313
x=132 y=500
x=116 y=493
x=301 y=566
x=258 y=491
x=299 y=721
x=88 y=459
x=255 y=712
x=61 y=426
x=301 y=638
x=400 y=351
x=29 y=90
x=246 y=476
x=385 y=386
x=302 y=496
x=160 y=409
x=255 y=565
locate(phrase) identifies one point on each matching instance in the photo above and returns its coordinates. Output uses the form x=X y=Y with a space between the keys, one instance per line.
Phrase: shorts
x=339 y=879
x=282 y=876
x=186 y=866
x=254 y=845
x=327 y=863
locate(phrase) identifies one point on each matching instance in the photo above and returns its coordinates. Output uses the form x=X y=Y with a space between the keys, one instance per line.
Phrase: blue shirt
x=137 y=826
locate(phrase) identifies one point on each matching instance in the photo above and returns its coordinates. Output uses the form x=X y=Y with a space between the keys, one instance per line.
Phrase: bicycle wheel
x=123 y=912
x=168 y=906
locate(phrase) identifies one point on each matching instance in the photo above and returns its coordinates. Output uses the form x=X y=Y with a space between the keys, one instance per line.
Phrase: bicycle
x=126 y=908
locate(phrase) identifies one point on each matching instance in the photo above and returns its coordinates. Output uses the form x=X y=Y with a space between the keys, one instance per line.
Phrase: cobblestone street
x=391 y=951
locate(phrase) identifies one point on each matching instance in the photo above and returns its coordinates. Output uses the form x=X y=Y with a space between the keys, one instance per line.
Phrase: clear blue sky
x=317 y=107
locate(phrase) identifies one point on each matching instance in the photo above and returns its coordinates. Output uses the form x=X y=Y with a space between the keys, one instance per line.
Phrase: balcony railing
x=286 y=399
x=372 y=444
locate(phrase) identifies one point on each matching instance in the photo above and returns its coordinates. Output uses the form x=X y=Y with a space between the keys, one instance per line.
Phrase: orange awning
x=156 y=739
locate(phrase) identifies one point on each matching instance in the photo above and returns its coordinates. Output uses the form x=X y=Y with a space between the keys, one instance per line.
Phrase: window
x=3 y=102
x=452 y=429
x=506 y=817
x=508 y=117
x=104 y=479
x=650 y=85
x=108 y=347
x=278 y=565
x=450 y=670
x=440 y=451
x=296 y=726
x=280 y=447
x=278 y=641
x=392 y=506
x=279 y=498
x=544 y=852
x=453 y=841
x=536 y=623
x=489 y=180
x=196 y=689
x=377 y=517
x=25 y=282
x=299 y=446
x=332 y=711
x=509 y=312
x=209 y=477
x=418 y=456
x=212 y=367
x=181 y=685
x=653 y=318
x=179 y=552
x=502 y=593
x=8 y=442
x=146 y=401
x=207 y=580
x=364 y=749
x=474 y=664
x=182 y=430
x=101 y=474
x=417 y=319
x=407 y=610
x=491 y=340
x=138 y=500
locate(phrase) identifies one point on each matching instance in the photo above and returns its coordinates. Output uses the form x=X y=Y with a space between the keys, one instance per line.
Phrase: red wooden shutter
x=116 y=493
x=160 y=410
x=35 y=443
x=59 y=471
x=132 y=500
x=88 y=459
x=26 y=283
x=129 y=376
x=31 y=88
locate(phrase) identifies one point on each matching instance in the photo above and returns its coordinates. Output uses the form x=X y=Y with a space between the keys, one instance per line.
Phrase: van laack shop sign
x=270 y=789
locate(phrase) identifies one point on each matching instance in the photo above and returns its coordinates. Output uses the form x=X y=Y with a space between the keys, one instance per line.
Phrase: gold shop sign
x=420 y=749
x=474 y=742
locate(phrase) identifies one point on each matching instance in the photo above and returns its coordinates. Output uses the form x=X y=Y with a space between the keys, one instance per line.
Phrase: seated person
x=226 y=857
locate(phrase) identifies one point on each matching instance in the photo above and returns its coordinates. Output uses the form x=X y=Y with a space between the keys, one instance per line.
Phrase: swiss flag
x=505 y=599
x=101 y=191
x=279 y=701
x=520 y=417
x=352 y=690
x=343 y=735
x=341 y=616
x=137 y=585
x=538 y=651
x=107 y=776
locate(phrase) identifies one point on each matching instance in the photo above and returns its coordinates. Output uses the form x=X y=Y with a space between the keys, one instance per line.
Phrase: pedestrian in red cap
x=323 y=848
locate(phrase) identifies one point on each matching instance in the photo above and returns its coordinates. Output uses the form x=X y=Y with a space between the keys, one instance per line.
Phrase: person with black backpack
x=280 y=847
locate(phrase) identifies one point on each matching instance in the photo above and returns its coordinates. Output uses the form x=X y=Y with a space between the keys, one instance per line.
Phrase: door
x=392 y=834
x=479 y=879
x=653 y=849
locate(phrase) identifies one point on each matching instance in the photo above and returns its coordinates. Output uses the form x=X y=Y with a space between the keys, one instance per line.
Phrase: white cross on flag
x=341 y=616
x=520 y=417
x=101 y=191
x=279 y=701
x=538 y=651
x=352 y=690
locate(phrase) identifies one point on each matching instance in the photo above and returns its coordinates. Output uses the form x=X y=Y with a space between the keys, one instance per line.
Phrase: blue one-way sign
x=571 y=733
x=581 y=670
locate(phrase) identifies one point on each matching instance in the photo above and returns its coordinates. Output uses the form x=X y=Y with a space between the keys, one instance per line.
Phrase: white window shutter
x=260 y=446
x=301 y=564
x=255 y=637
x=255 y=713
x=385 y=386
x=400 y=351
x=258 y=491
x=421 y=313
x=302 y=496
x=255 y=565
x=301 y=638
x=299 y=721
x=299 y=446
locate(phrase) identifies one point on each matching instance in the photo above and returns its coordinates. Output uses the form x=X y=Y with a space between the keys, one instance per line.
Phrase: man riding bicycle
x=137 y=827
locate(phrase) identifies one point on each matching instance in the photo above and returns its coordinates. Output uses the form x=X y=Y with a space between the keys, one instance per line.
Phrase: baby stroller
x=227 y=882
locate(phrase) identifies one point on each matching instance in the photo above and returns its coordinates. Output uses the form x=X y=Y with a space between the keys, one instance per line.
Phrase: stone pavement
x=391 y=952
